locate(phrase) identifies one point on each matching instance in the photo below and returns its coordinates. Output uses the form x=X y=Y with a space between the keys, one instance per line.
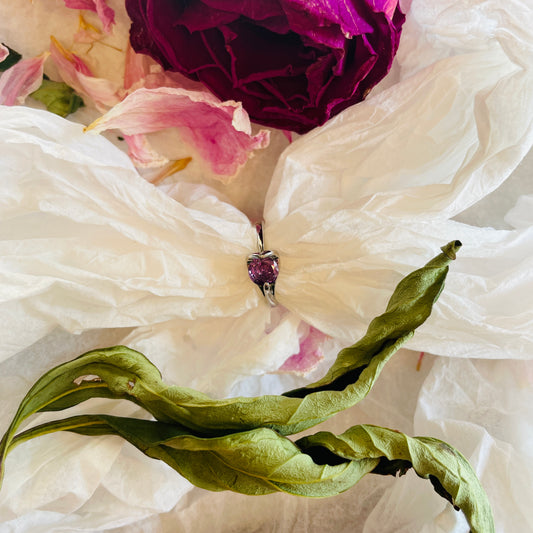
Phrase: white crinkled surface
x=352 y=207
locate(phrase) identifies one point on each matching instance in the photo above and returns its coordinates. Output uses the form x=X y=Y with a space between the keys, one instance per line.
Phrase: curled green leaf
x=409 y=306
x=449 y=472
x=261 y=461
x=254 y=462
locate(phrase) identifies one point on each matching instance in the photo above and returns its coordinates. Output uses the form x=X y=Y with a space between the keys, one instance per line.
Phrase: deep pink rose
x=292 y=63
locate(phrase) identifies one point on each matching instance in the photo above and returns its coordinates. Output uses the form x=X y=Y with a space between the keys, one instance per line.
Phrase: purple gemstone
x=263 y=268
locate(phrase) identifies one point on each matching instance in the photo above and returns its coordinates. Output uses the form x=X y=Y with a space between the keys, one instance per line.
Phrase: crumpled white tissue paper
x=92 y=255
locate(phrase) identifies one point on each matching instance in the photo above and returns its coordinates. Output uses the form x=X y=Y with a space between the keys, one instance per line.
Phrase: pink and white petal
x=220 y=132
x=4 y=52
x=164 y=78
x=23 y=78
x=142 y=71
x=105 y=13
x=136 y=67
x=69 y=62
x=104 y=93
x=142 y=154
x=310 y=354
x=75 y=73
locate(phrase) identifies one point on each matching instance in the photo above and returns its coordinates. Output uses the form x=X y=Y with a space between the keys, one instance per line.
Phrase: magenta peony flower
x=292 y=63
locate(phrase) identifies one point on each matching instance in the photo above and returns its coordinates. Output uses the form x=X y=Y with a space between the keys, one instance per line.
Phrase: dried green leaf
x=261 y=461
x=58 y=97
x=449 y=472
x=408 y=308
x=255 y=462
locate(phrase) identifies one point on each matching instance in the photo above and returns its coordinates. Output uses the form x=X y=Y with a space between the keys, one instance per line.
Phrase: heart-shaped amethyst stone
x=263 y=268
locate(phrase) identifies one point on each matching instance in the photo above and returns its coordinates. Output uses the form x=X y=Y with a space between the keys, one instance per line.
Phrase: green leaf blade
x=261 y=461
x=254 y=462
x=447 y=469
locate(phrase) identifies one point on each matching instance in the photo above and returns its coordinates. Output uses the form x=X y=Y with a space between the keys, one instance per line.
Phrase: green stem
x=74 y=422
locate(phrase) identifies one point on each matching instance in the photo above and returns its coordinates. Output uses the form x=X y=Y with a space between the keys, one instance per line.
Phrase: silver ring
x=263 y=268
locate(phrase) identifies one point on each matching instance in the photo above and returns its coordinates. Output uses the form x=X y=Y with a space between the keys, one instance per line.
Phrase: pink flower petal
x=142 y=71
x=23 y=78
x=77 y=75
x=310 y=353
x=137 y=67
x=4 y=52
x=157 y=77
x=70 y=62
x=219 y=131
x=100 y=7
x=142 y=154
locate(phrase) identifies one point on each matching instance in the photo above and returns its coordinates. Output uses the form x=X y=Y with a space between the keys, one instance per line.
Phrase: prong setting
x=263 y=270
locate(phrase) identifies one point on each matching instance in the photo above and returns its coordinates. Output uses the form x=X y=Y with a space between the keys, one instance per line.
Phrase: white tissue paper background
x=92 y=255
